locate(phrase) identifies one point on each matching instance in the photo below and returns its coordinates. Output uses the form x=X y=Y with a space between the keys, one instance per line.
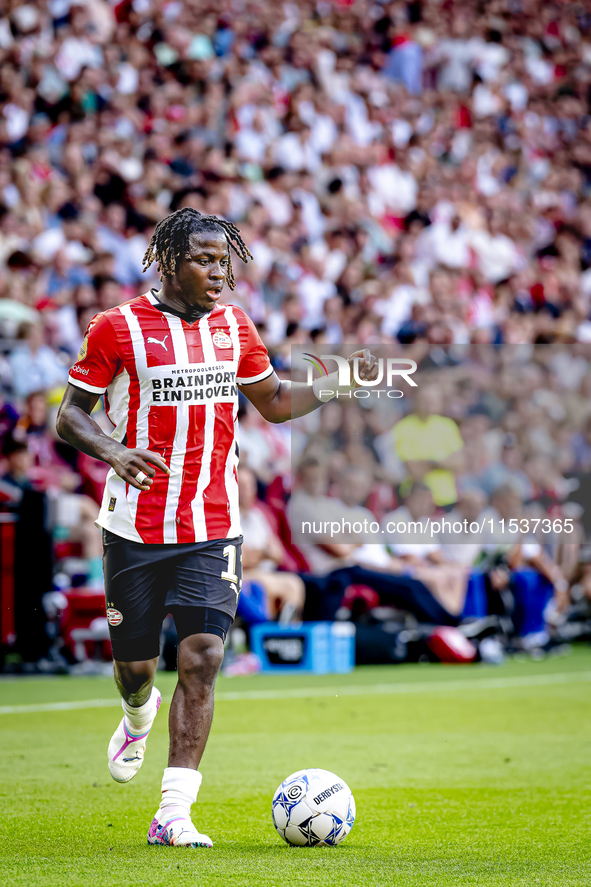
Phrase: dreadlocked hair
x=170 y=241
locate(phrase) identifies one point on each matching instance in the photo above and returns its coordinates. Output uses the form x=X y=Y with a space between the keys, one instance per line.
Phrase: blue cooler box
x=315 y=647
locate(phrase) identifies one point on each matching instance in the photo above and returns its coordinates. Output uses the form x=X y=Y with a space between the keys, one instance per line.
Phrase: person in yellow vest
x=430 y=445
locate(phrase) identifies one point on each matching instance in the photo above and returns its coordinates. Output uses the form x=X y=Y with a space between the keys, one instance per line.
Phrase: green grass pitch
x=462 y=776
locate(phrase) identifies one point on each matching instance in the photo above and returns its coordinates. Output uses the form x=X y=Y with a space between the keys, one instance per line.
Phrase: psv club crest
x=221 y=339
x=114 y=617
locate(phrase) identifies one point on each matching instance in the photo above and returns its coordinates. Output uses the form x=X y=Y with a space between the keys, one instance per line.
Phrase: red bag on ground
x=360 y=598
x=450 y=645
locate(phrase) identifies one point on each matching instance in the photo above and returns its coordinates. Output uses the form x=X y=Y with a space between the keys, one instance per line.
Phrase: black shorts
x=197 y=582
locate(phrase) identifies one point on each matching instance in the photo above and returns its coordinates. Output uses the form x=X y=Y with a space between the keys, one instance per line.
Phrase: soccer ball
x=313 y=807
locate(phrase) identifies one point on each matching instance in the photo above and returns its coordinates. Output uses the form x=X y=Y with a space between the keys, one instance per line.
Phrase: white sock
x=139 y=719
x=179 y=790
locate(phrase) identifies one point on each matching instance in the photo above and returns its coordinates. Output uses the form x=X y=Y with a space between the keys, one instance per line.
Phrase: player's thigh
x=135 y=590
x=209 y=577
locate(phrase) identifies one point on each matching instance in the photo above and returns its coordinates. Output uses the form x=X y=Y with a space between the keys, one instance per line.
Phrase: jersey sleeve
x=254 y=364
x=99 y=360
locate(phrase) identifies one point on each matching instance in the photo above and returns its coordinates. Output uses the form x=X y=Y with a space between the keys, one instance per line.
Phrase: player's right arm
x=279 y=401
x=98 y=363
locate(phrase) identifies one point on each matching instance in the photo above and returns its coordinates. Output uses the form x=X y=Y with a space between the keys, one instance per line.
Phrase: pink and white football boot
x=127 y=747
x=176 y=830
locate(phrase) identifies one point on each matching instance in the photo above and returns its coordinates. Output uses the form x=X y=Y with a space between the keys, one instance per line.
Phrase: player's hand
x=368 y=365
x=128 y=464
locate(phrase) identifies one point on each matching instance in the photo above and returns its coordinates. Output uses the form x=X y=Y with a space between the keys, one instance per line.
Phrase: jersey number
x=230 y=574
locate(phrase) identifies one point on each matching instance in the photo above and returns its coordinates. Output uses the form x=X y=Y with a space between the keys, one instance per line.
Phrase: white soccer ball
x=313 y=807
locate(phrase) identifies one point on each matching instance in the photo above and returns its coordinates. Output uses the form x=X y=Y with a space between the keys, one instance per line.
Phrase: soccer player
x=170 y=364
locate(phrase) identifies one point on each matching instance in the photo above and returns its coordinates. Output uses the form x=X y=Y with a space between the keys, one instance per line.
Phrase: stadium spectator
x=507 y=470
x=33 y=364
x=70 y=513
x=262 y=554
x=33 y=554
x=333 y=562
x=417 y=510
x=430 y=446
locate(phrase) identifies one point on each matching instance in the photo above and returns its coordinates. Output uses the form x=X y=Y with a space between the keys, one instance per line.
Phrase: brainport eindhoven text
x=194 y=387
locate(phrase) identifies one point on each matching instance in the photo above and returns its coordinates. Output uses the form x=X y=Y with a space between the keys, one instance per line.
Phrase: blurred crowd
x=480 y=419
x=408 y=172
x=399 y=170
x=485 y=462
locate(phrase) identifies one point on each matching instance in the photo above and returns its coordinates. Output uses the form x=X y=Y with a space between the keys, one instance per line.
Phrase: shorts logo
x=114 y=617
x=83 y=349
x=221 y=339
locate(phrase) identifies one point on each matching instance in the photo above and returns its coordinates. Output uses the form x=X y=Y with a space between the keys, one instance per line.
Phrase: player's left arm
x=278 y=401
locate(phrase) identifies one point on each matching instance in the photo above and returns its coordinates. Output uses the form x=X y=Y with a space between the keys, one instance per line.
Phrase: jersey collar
x=188 y=316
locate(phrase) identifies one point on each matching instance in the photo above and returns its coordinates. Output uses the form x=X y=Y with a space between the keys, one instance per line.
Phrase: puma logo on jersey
x=153 y=341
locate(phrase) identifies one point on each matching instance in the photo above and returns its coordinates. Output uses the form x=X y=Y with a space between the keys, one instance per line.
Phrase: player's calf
x=128 y=743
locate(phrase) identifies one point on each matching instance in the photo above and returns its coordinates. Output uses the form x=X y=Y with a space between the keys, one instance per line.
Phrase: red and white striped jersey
x=171 y=387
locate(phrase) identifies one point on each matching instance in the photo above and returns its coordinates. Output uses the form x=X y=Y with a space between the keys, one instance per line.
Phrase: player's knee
x=200 y=659
x=135 y=675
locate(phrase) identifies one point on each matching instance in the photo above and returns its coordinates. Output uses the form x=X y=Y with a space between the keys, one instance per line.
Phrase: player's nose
x=216 y=273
